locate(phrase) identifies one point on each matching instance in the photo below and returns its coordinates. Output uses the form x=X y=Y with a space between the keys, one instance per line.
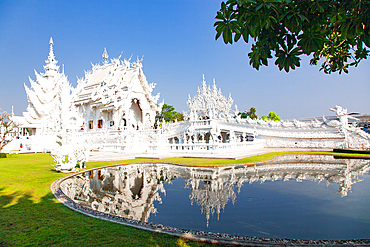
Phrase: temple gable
x=117 y=96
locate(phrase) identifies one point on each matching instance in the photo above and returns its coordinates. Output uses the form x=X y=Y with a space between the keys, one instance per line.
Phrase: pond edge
x=210 y=237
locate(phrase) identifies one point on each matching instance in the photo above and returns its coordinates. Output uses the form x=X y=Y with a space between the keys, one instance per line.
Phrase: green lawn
x=30 y=215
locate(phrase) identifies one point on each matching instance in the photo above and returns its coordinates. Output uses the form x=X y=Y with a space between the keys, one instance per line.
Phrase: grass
x=30 y=215
x=216 y=162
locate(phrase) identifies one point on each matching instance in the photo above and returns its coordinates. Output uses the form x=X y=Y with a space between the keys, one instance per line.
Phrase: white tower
x=49 y=98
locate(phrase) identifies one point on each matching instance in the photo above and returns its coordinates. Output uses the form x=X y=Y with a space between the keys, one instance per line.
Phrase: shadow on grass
x=50 y=223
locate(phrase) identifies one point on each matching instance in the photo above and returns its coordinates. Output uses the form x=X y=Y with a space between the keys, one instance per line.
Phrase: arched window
x=100 y=123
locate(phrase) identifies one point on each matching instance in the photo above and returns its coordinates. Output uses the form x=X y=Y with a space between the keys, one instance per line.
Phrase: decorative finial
x=51 y=67
x=105 y=55
x=51 y=53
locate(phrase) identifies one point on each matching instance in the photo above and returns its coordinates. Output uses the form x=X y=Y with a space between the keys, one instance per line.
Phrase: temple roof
x=111 y=85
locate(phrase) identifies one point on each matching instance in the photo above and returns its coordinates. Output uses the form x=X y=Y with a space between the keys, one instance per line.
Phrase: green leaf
x=287 y=60
x=366 y=39
x=310 y=42
x=240 y=2
x=245 y=33
x=260 y=6
x=237 y=37
x=223 y=6
x=226 y=35
x=218 y=34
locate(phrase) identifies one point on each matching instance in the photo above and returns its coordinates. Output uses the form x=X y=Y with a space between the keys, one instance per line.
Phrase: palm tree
x=252 y=113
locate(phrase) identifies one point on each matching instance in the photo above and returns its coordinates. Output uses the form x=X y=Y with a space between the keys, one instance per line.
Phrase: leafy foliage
x=242 y=115
x=272 y=117
x=168 y=114
x=6 y=127
x=336 y=31
x=252 y=113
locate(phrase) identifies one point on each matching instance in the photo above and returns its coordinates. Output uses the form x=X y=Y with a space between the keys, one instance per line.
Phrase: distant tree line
x=169 y=115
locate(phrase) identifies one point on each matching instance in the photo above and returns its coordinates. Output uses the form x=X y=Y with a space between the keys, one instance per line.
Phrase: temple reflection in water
x=131 y=190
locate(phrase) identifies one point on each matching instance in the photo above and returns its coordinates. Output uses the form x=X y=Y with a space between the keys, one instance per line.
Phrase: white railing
x=204 y=147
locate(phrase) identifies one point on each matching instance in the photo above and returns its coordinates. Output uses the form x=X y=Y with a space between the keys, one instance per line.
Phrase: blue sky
x=177 y=40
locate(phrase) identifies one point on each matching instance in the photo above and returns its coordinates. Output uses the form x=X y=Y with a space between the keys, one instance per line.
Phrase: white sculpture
x=74 y=149
x=354 y=137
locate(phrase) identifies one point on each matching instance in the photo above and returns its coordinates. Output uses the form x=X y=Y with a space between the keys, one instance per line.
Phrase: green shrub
x=2 y=155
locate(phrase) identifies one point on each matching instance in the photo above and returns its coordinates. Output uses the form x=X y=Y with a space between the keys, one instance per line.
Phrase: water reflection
x=131 y=191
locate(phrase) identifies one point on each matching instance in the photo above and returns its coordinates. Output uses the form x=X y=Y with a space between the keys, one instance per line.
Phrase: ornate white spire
x=49 y=96
x=204 y=85
x=105 y=55
x=51 y=67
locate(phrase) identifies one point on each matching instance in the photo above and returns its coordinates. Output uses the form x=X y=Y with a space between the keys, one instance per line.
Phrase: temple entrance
x=136 y=118
x=225 y=137
x=207 y=137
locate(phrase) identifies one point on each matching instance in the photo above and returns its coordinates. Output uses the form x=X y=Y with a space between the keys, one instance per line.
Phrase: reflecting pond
x=296 y=196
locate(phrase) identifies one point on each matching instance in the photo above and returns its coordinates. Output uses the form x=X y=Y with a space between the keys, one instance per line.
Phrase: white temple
x=113 y=109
